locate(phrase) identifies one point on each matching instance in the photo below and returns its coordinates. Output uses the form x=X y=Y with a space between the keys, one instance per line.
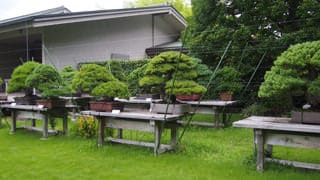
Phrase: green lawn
x=205 y=153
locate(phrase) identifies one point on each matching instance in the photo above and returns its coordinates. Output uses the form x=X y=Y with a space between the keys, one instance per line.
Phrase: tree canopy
x=183 y=6
x=254 y=27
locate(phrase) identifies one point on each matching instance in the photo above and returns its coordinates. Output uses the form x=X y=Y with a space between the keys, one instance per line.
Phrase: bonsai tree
x=295 y=73
x=111 y=89
x=133 y=81
x=46 y=79
x=67 y=75
x=184 y=87
x=166 y=67
x=19 y=76
x=115 y=68
x=90 y=76
x=227 y=79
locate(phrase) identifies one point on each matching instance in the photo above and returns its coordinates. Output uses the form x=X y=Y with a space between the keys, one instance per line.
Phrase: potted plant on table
x=93 y=76
x=105 y=94
x=47 y=80
x=164 y=72
x=18 y=83
x=227 y=83
x=295 y=75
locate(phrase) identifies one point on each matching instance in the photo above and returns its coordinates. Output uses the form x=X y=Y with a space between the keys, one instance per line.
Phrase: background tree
x=296 y=73
x=183 y=6
x=254 y=28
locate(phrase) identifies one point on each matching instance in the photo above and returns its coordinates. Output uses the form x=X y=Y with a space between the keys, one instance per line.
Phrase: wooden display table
x=282 y=132
x=214 y=107
x=141 y=121
x=33 y=112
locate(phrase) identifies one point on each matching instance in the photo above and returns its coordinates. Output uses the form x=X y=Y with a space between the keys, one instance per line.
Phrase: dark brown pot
x=105 y=106
x=51 y=103
x=226 y=96
x=26 y=100
x=188 y=97
x=305 y=117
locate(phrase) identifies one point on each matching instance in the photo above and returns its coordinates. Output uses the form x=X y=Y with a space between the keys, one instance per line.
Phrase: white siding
x=95 y=41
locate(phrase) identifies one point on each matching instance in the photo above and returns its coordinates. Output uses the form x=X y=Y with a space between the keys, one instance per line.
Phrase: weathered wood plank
x=294 y=163
x=132 y=125
x=31 y=128
x=208 y=124
x=303 y=141
x=136 y=115
x=29 y=115
x=139 y=143
x=274 y=123
x=260 y=150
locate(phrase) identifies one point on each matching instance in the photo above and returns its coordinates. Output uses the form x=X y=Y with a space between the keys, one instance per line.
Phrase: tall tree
x=183 y=6
x=254 y=27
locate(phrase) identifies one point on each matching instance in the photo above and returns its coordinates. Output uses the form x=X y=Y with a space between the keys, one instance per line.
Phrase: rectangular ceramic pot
x=305 y=117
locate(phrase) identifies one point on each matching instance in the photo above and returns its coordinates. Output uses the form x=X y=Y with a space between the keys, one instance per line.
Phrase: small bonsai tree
x=46 y=79
x=295 y=73
x=90 y=76
x=168 y=66
x=111 y=89
x=116 y=69
x=184 y=87
x=227 y=79
x=133 y=81
x=67 y=74
x=19 y=76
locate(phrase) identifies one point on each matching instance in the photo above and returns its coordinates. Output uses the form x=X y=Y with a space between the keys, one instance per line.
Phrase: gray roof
x=61 y=15
x=18 y=19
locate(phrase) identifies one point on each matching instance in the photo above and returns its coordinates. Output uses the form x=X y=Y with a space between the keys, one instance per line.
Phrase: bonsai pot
x=188 y=97
x=26 y=100
x=225 y=96
x=305 y=117
x=105 y=106
x=51 y=103
x=172 y=108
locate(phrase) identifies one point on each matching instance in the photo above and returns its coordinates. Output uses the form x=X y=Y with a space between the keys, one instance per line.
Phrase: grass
x=205 y=153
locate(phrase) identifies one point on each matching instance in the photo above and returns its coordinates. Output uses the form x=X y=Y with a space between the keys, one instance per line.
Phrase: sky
x=13 y=8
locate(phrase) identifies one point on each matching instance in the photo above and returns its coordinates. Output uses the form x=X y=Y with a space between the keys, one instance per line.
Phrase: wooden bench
x=278 y=131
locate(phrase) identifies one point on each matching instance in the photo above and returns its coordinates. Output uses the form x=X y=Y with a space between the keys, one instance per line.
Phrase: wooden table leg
x=45 y=126
x=65 y=124
x=33 y=122
x=260 y=149
x=157 y=137
x=174 y=134
x=120 y=133
x=216 y=118
x=14 y=122
x=269 y=150
x=101 y=125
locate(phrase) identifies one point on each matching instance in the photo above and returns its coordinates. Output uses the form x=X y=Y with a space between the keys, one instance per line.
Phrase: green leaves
x=19 y=76
x=91 y=75
x=112 y=89
x=295 y=72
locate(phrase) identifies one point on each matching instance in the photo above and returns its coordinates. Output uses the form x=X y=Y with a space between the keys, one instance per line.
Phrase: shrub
x=90 y=76
x=18 y=78
x=227 y=79
x=67 y=75
x=295 y=73
x=116 y=69
x=165 y=67
x=111 y=89
x=134 y=78
x=184 y=87
x=87 y=126
x=44 y=77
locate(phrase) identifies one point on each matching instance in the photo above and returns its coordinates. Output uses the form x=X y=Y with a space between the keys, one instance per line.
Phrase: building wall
x=71 y=44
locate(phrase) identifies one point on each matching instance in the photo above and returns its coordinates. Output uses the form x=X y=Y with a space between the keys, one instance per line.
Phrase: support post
x=174 y=134
x=65 y=124
x=157 y=137
x=14 y=122
x=260 y=152
x=101 y=125
x=45 y=126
